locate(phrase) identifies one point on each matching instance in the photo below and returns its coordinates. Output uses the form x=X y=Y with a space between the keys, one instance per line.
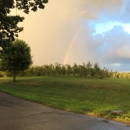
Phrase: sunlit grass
x=88 y=96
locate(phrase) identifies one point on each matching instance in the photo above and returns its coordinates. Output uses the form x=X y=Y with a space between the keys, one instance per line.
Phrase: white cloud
x=117 y=64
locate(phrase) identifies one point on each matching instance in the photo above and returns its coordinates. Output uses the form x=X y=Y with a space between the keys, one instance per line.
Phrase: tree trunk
x=14 y=76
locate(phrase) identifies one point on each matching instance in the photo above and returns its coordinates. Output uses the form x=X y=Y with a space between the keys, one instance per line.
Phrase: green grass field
x=88 y=96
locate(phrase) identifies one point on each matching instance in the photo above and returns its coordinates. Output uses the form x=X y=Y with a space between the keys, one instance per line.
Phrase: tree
x=15 y=58
x=9 y=24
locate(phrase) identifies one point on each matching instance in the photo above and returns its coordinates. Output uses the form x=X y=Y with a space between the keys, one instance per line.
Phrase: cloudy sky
x=78 y=31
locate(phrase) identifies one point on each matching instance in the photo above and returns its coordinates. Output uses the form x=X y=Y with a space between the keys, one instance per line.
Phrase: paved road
x=18 y=114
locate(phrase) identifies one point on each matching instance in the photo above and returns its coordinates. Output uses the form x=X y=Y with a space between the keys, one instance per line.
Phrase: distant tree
x=75 y=69
x=9 y=24
x=15 y=58
x=68 y=69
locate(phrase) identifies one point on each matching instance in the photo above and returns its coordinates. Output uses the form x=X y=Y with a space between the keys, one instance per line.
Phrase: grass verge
x=88 y=96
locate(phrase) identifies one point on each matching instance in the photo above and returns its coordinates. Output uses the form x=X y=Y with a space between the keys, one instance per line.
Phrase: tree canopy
x=9 y=24
x=16 y=57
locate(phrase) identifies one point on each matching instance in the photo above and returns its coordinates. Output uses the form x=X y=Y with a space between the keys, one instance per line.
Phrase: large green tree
x=9 y=24
x=15 y=58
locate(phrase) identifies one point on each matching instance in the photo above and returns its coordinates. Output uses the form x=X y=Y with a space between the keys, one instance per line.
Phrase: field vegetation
x=85 y=70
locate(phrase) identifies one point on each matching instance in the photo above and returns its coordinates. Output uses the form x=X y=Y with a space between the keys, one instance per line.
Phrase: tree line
x=88 y=70
x=84 y=70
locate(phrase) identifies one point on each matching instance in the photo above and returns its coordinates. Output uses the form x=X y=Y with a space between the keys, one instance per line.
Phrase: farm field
x=96 y=97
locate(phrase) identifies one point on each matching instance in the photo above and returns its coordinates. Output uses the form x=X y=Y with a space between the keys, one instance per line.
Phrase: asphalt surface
x=19 y=114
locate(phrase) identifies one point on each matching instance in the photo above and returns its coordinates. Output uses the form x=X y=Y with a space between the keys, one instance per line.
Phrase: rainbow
x=70 y=46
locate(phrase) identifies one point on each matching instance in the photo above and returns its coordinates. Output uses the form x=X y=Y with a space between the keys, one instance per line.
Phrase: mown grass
x=88 y=96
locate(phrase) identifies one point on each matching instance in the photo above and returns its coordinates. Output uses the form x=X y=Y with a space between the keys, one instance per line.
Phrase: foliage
x=16 y=57
x=121 y=75
x=82 y=95
x=3 y=74
x=85 y=70
x=9 y=24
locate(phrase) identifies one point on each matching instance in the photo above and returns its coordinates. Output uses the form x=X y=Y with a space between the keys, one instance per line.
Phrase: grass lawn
x=88 y=96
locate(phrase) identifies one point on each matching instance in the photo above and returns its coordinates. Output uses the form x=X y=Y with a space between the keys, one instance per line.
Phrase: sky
x=78 y=31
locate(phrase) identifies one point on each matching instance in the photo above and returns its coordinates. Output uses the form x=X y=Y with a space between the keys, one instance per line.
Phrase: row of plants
x=84 y=70
x=120 y=75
